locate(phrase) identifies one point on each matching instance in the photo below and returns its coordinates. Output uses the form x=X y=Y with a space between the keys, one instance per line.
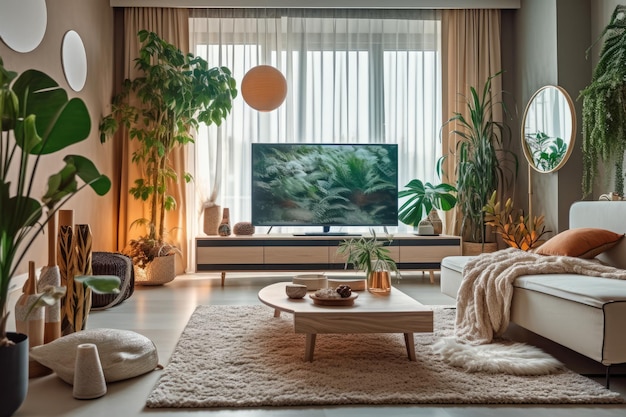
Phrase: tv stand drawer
x=296 y=255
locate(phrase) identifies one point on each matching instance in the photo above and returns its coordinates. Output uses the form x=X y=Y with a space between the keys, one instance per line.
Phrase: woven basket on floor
x=160 y=271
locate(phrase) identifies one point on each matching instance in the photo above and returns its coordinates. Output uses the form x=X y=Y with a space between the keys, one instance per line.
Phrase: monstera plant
x=37 y=119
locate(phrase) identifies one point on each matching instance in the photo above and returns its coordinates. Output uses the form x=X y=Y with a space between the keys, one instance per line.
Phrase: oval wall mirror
x=548 y=129
x=74 y=60
x=23 y=23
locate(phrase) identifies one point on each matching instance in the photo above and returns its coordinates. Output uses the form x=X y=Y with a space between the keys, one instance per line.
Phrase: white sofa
x=585 y=314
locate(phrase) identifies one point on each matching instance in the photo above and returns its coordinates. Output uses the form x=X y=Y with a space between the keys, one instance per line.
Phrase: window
x=354 y=76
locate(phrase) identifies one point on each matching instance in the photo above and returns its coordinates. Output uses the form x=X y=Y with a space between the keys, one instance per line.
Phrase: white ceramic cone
x=89 y=380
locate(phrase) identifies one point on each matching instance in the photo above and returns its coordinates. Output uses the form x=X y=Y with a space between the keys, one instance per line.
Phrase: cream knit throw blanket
x=484 y=299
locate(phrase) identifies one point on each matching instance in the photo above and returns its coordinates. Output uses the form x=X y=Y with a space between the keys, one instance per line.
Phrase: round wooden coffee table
x=395 y=312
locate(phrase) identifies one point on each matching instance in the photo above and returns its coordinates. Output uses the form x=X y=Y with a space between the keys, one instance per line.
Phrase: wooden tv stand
x=286 y=252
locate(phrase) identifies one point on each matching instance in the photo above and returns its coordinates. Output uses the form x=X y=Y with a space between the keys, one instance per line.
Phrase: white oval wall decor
x=74 y=60
x=23 y=23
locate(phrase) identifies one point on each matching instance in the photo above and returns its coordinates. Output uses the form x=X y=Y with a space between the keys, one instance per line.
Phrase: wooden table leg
x=276 y=312
x=432 y=276
x=309 y=348
x=409 y=341
x=223 y=278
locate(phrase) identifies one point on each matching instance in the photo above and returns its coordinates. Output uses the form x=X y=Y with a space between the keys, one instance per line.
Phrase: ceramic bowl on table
x=295 y=290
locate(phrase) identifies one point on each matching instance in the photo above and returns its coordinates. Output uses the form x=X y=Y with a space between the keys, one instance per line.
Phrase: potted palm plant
x=483 y=164
x=370 y=254
x=36 y=119
x=174 y=93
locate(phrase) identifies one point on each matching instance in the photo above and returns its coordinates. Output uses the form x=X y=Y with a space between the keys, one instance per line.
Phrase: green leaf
x=87 y=171
x=59 y=122
x=100 y=284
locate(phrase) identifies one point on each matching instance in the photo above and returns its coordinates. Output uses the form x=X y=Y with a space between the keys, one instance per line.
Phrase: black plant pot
x=14 y=379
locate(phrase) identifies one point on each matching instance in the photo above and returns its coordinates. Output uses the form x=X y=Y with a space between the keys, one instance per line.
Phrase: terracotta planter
x=473 y=248
x=160 y=271
x=14 y=380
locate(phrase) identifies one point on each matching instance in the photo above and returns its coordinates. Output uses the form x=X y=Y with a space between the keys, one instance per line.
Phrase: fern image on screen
x=324 y=184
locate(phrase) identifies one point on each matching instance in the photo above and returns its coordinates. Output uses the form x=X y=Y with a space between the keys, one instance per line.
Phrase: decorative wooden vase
x=78 y=297
x=65 y=259
x=27 y=321
x=224 y=228
x=212 y=219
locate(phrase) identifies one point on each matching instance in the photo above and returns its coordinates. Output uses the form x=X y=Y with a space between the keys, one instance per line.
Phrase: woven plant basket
x=160 y=271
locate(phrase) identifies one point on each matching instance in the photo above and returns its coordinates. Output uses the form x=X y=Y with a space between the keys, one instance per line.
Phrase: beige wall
x=93 y=20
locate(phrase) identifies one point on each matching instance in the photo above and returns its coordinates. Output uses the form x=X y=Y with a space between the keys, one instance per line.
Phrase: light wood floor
x=161 y=313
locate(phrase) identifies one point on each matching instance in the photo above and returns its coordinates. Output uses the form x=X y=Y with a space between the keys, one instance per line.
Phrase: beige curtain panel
x=470 y=55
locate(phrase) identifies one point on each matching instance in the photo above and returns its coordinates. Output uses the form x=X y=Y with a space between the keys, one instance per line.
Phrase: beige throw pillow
x=123 y=354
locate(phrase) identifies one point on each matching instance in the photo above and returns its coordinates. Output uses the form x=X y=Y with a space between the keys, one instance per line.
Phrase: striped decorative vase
x=65 y=261
x=82 y=266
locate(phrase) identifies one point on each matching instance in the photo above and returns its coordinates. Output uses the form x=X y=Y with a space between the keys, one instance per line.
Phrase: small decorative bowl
x=295 y=290
x=313 y=282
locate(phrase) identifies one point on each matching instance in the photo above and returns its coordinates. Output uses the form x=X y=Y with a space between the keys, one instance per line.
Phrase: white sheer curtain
x=353 y=76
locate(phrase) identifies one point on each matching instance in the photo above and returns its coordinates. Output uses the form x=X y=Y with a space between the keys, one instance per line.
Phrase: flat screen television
x=324 y=185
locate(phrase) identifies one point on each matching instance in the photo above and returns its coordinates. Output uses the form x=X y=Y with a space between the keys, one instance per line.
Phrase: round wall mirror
x=548 y=129
x=23 y=23
x=74 y=60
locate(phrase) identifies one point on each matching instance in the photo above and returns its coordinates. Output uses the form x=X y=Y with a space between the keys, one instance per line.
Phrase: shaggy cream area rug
x=241 y=356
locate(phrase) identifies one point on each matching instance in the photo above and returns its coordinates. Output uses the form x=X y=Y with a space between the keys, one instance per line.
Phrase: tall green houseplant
x=174 y=93
x=36 y=119
x=483 y=164
x=604 y=107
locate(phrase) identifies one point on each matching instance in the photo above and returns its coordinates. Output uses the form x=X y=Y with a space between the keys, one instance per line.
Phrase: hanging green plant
x=604 y=107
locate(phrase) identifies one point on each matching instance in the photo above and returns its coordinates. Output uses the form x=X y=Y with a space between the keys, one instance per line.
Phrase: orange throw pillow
x=584 y=242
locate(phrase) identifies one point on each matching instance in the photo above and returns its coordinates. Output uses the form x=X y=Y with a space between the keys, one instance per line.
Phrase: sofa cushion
x=592 y=291
x=455 y=263
x=584 y=242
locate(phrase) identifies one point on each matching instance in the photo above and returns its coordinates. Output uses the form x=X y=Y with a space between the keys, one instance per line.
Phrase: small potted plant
x=516 y=229
x=371 y=255
x=424 y=199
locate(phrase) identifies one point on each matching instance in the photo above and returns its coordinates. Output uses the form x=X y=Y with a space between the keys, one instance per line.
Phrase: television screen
x=324 y=184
